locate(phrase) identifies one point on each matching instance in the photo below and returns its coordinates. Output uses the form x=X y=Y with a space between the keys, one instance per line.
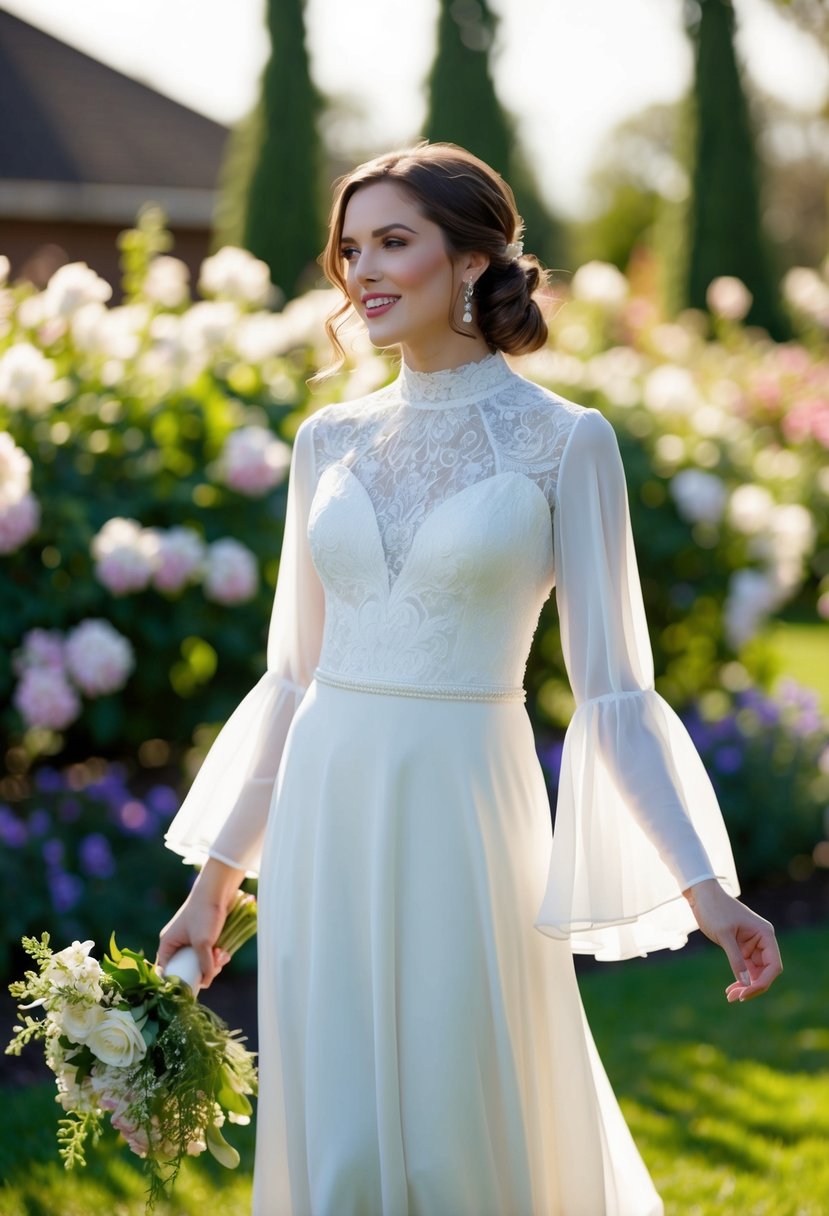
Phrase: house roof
x=96 y=136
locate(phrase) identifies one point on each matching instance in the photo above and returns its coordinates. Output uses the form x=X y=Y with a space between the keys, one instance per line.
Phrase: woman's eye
x=390 y=242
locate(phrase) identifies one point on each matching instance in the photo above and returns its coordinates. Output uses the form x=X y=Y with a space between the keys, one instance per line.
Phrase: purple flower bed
x=82 y=854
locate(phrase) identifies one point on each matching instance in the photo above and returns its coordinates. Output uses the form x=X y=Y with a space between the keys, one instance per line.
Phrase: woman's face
x=399 y=276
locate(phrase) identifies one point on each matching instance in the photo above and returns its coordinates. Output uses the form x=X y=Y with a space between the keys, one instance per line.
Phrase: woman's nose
x=365 y=270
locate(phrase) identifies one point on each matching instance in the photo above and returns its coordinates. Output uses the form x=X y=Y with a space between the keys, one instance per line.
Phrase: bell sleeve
x=637 y=819
x=225 y=811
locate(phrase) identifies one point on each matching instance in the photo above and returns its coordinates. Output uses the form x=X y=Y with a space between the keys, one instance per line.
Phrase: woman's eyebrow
x=382 y=231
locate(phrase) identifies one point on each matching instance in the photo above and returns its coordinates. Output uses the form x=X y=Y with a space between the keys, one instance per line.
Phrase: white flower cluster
x=80 y=1015
x=93 y=659
x=28 y=380
x=235 y=274
x=130 y=558
x=19 y=509
x=780 y=536
x=807 y=292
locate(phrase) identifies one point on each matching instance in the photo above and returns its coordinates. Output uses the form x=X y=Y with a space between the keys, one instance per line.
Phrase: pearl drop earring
x=467 y=300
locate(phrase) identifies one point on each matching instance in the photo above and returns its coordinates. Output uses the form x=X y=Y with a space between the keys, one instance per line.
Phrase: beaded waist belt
x=446 y=692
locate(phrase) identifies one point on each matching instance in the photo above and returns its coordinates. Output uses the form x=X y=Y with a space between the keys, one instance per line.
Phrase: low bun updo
x=475 y=209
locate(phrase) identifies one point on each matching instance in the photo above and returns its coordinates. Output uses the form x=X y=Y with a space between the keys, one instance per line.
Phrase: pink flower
x=135 y=1136
x=232 y=575
x=41 y=648
x=254 y=460
x=45 y=699
x=177 y=558
x=98 y=657
x=809 y=418
x=123 y=561
x=18 y=523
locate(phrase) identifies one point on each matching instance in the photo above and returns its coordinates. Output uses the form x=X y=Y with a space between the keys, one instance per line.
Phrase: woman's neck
x=456 y=351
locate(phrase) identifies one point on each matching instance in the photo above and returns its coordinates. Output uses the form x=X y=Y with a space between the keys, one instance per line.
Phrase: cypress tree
x=283 y=222
x=464 y=109
x=725 y=229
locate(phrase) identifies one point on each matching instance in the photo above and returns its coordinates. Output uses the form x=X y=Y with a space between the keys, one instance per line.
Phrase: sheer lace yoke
x=429 y=436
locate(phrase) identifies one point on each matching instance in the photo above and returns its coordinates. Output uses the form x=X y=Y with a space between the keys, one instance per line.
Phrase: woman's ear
x=473 y=265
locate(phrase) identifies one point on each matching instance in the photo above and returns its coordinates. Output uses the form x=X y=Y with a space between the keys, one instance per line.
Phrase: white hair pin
x=514 y=250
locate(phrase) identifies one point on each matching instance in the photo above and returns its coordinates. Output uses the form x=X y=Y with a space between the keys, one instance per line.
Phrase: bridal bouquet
x=128 y=1042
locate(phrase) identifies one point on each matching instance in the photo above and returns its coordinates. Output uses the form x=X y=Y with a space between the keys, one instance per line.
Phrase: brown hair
x=475 y=208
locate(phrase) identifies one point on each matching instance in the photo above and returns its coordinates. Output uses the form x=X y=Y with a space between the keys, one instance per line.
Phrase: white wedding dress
x=423 y=1048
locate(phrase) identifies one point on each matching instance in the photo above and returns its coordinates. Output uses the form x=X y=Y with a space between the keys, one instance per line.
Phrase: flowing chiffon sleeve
x=637 y=819
x=226 y=809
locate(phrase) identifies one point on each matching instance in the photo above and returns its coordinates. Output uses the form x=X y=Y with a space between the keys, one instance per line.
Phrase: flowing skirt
x=423 y=1048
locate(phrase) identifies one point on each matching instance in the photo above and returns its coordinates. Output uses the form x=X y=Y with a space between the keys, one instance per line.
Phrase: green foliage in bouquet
x=125 y=1040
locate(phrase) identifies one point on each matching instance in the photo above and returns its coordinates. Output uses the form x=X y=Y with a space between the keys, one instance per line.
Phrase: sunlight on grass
x=728 y=1104
x=803 y=655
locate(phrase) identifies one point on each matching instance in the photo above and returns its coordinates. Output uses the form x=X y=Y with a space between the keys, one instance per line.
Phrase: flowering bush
x=725 y=445
x=153 y=440
x=145 y=455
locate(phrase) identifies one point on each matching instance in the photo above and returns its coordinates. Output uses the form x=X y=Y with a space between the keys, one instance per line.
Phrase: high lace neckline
x=453 y=386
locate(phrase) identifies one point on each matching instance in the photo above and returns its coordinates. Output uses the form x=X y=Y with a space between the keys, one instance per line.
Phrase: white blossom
x=750 y=508
x=728 y=297
x=807 y=292
x=15 y=471
x=207 y=325
x=600 y=283
x=112 y=333
x=72 y=286
x=670 y=390
x=27 y=378
x=700 y=497
x=167 y=282
x=752 y=595
x=117 y=1040
x=235 y=274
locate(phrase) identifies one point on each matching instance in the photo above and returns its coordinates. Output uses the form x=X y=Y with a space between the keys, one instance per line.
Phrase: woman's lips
x=379 y=309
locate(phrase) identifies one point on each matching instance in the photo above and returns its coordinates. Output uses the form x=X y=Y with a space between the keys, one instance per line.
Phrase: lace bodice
x=434 y=502
x=430 y=435
x=426 y=525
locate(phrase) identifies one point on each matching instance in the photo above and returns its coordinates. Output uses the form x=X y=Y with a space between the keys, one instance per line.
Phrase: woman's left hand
x=746 y=938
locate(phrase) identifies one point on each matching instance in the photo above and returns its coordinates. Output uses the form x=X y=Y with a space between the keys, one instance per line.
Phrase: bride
x=423 y=1048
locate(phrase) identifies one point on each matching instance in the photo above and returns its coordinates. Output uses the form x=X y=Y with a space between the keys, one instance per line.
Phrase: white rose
x=117 y=1040
x=78 y=1021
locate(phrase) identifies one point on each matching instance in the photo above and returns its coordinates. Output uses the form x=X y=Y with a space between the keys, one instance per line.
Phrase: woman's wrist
x=218 y=880
x=704 y=884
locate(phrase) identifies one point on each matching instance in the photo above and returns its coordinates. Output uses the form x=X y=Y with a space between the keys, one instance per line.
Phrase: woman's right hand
x=200 y=919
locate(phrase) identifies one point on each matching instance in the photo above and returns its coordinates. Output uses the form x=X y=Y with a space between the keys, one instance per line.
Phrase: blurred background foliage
x=691 y=308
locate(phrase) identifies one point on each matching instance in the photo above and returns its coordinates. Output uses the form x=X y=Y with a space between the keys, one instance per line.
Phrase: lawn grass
x=728 y=1104
x=802 y=652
